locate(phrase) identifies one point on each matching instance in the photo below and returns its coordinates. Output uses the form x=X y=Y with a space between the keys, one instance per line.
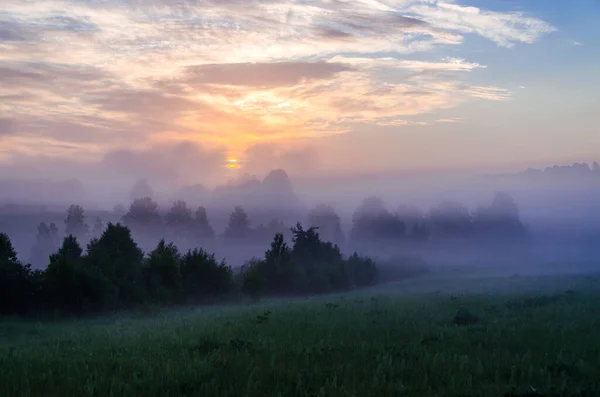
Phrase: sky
x=200 y=91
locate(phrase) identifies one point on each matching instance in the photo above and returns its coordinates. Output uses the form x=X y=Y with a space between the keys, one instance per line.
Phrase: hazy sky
x=175 y=89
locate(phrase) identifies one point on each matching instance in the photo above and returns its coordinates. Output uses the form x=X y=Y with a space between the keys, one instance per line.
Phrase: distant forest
x=113 y=272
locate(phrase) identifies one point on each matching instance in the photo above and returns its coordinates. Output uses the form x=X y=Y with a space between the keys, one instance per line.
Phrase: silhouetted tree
x=202 y=228
x=362 y=272
x=143 y=217
x=239 y=224
x=204 y=277
x=162 y=273
x=120 y=261
x=68 y=287
x=321 y=265
x=178 y=220
x=596 y=167
x=328 y=221
x=15 y=287
x=75 y=222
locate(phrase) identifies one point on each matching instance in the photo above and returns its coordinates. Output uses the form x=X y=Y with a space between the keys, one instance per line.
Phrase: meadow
x=436 y=335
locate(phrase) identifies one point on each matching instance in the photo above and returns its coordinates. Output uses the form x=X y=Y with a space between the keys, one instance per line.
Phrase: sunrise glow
x=348 y=82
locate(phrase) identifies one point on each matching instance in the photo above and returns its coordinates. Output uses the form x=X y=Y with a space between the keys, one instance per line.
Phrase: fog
x=557 y=207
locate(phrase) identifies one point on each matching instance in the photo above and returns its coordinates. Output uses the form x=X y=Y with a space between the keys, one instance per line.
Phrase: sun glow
x=233 y=163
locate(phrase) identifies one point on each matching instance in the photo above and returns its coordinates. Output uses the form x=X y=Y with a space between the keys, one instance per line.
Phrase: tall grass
x=369 y=343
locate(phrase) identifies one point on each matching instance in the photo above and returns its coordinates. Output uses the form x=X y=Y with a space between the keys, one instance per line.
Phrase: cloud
x=299 y=160
x=505 y=29
x=182 y=162
x=6 y=126
x=277 y=74
x=88 y=78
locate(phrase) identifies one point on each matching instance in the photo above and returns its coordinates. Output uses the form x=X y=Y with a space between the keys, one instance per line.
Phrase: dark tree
x=162 y=273
x=328 y=221
x=239 y=224
x=320 y=264
x=75 y=222
x=120 y=261
x=204 y=277
x=15 y=287
x=63 y=288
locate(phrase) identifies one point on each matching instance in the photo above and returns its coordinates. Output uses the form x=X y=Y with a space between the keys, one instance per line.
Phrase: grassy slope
x=537 y=334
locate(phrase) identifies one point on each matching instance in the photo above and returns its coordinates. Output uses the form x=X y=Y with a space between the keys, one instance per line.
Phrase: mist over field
x=557 y=207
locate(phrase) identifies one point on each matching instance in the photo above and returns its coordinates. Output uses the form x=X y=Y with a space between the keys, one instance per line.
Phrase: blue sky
x=316 y=87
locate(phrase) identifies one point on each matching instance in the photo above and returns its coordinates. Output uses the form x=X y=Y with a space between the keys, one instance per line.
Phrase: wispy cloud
x=232 y=73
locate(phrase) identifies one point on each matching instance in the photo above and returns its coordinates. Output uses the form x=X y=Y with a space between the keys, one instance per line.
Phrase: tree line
x=372 y=223
x=113 y=273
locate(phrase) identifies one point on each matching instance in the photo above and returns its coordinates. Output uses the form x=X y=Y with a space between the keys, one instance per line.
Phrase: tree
x=15 y=289
x=499 y=220
x=179 y=219
x=162 y=273
x=63 y=288
x=75 y=222
x=451 y=219
x=239 y=224
x=204 y=277
x=141 y=189
x=143 y=216
x=202 y=228
x=372 y=222
x=320 y=264
x=119 y=260
x=328 y=221
x=362 y=271
x=279 y=266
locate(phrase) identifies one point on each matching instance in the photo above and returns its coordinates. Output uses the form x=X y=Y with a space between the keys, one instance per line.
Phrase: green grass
x=528 y=337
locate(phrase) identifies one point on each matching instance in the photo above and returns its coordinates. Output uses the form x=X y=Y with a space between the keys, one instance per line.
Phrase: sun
x=233 y=163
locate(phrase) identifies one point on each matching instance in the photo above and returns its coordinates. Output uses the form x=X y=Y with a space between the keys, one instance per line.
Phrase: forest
x=103 y=268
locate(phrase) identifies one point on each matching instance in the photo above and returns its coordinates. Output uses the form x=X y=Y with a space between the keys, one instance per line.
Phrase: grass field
x=432 y=336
